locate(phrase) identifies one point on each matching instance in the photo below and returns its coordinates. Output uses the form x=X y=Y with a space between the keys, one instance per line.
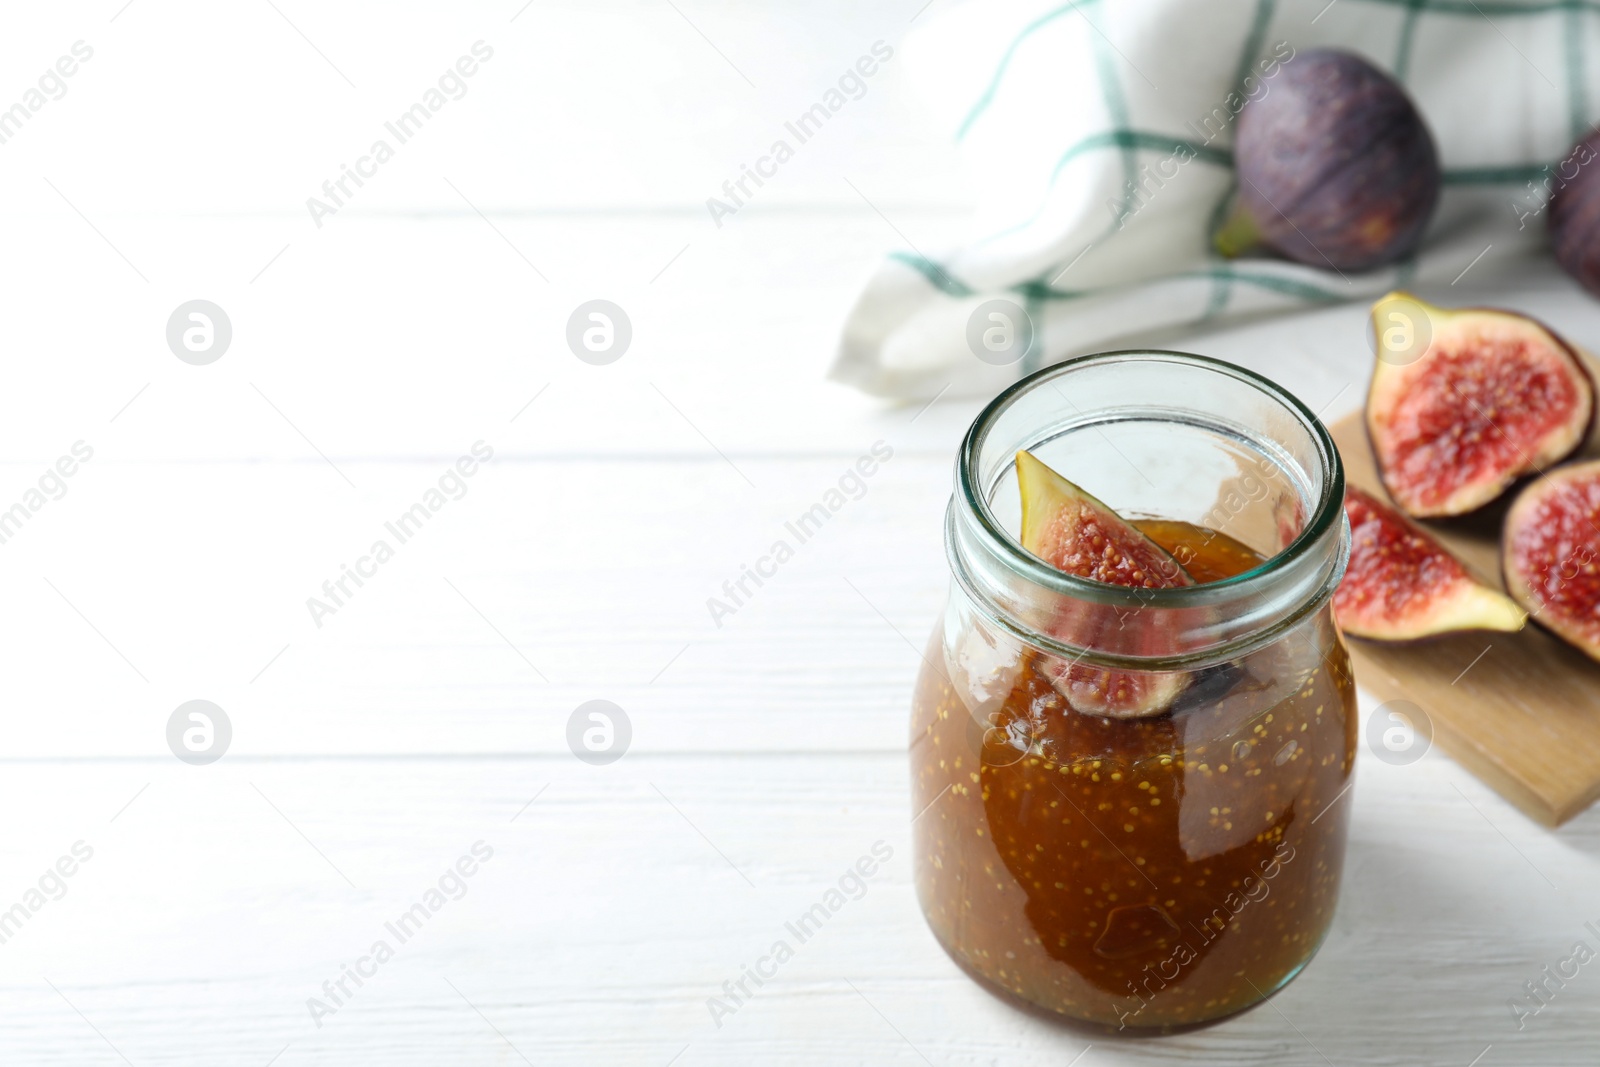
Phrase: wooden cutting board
x=1521 y=711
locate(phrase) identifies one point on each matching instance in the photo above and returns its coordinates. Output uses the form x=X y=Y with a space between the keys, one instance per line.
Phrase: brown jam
x=1140 y=873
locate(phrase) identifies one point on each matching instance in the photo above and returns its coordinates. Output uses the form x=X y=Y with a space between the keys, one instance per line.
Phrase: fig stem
x=1238 y=235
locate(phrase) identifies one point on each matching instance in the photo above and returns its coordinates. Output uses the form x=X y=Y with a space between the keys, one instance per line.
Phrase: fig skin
x=1402 y=585
x=1577 y=570
x=1390 y=386
x=1336 y=167
x=1574 y=213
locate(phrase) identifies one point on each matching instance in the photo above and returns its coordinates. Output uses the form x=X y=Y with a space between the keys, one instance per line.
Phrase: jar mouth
x=1205 y=431
x=1328 y=510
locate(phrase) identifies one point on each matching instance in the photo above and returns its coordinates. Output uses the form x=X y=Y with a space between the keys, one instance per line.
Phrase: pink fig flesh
x=1550 y=550
x=1401 y=584
x=1465 y=402
x=1077 y=534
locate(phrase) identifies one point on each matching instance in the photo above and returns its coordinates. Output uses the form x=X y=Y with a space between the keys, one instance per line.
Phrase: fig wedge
x=1401 y=584
x=1075 y=533
x=1550 y=550
x=1464 y=402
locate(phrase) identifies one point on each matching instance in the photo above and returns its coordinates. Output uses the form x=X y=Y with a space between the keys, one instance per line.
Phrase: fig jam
x=1145 y=873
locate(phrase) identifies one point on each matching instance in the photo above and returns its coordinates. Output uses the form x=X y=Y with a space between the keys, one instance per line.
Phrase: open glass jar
x=1165 y=869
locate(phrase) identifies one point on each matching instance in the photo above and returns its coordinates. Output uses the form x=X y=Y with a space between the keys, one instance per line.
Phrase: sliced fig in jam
x=1075 y=533
x=1401 y=584
x=1551 y=554
x=1466 y=401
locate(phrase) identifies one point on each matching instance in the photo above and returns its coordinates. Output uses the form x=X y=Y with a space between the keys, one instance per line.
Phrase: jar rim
x=1328 y=510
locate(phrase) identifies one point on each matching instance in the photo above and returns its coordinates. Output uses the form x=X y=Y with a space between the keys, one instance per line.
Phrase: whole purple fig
x=1575 y=212
x=1335 y=166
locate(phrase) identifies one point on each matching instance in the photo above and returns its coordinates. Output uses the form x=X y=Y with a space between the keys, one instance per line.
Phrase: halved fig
x=1075 y=533
x=1466 y=401
x=1401 y=584
x=1551 y=554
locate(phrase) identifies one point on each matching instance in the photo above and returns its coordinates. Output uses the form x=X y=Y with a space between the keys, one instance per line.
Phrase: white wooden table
x=430 y=712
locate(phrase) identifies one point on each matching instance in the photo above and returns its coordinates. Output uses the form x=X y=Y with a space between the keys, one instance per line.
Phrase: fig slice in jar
x=1550 y=550
x=1077 y=534
x=1464 y=402
x=1401 y=584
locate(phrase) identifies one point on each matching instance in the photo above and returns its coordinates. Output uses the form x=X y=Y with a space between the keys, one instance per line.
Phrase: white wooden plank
x=605 y=920
x=582 y=105
x=390 y=339
x=148 y=585
x=597 y=569
x=387 y=339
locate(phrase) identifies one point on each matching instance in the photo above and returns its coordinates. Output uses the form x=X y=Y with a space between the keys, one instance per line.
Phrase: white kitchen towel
x=1099 y=135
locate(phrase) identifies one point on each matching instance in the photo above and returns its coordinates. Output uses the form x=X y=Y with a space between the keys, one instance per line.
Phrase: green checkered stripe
x=1127 y=140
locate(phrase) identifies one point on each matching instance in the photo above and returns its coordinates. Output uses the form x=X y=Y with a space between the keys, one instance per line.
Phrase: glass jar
x=1158 y=871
